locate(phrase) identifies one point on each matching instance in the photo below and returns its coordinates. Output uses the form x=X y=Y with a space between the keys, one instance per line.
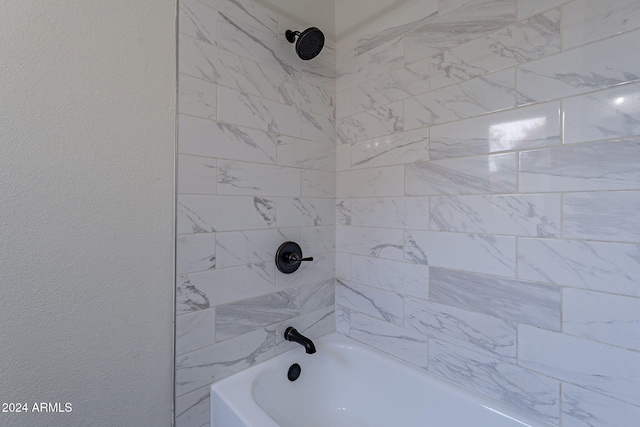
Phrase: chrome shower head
x=310 y=42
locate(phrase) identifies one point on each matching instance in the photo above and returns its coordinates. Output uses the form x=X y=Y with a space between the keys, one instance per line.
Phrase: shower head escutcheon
x=310 y=42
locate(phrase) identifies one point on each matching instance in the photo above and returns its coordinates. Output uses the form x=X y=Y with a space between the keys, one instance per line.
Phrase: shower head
x=310 y=42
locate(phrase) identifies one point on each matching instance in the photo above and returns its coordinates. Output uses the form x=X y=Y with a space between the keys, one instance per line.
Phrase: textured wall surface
x=487 y=185
x=86 y=229
x=256 y=168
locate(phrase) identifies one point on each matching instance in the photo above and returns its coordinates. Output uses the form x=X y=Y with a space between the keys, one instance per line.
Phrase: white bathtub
x=347 y=384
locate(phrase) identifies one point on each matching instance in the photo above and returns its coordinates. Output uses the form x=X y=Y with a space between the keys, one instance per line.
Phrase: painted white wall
x=86 y=210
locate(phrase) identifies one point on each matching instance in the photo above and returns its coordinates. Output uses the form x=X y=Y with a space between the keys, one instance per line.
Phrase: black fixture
x=310 y=42
x=289 y=257
x=294 y=372
x=290 y=334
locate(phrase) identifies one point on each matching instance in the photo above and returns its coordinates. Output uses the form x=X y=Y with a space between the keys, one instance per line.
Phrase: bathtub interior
x=349 y=384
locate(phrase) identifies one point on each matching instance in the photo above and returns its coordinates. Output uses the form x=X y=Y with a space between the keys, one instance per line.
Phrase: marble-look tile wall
x=488 y=190
x=256 y=167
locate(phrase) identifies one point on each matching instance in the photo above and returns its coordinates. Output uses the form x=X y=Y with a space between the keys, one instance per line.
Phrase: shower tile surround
x=480 y=218
x=256 y=167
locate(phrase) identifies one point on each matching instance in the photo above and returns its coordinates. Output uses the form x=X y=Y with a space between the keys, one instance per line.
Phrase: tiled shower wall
x=256 y=168
x=488 y=196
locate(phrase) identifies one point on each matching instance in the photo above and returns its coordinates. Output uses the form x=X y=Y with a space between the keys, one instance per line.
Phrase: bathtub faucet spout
x=290 y=334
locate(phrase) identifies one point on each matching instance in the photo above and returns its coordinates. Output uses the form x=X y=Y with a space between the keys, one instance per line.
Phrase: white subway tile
x=611 y=319
x=599 y=266
x=584 y=408
x=372 y=123
x=196 y=175
x=195 y=331
x=608 y=370
x=197 y=97
x=585 y=21
x=195 y=252
x=595 y=66
x=379 y=182
x=481 y=253
x=392 y=149
x=198 y=21
x=405 y=212
x=536 y=215
x=609 y=165
x=374 y=242
x=469 y=175
x=252 y=179
x=374 y=302
x=611 y=216
x=611 y=113
x=523 y=302
x=399 y=277
x=527 y=127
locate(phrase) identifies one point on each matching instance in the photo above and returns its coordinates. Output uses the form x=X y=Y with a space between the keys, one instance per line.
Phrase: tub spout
x=290 y=334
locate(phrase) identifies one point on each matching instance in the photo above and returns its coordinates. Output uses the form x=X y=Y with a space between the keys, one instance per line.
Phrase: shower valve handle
x=289 y=257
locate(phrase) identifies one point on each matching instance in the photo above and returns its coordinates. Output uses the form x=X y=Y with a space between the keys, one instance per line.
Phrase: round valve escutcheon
x=289 y=257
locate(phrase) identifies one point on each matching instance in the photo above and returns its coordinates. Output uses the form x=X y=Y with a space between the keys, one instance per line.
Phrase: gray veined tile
x=361 y=68
x=395 y=86
x=481 y=95
x=611 y=113
x=305 y=96
x=193 y=409
x=461 y=25
x=240 y=178
x=397 y=23
x=611 y=165
x=238 y=318
x=470 y=175
x=203 y=367
x=521 y=42
x=202 y=290
x=397 y=341
x=585 y=21
x=318 y=128
x=318 y=183
x=374 y=302
x=535 y=215
x=305 y=212
x=322 y=268
x=196 y=175
x=401 y=212
x=343 y=212
x=195 y=252
x=202 y=137
x=608 y=370
x=250 y=111
x=199 y=59
x=251 y=246
x=611 y=216
x=249 y=12
x=197 y=97
x=368 y=124
x=530 y=392
x=317 y=296
x=376 y=182
x=526 y=127
x=374 y=242
x=580 y=70
x=300 y=153
x=318 y=239
x=584 y=408
x=393 y=149
x=515 y=300
x=207 y=214
x=481 y=253
x=319 y=73
x=195 y=331
x=600 y=266
x=343 y=320
x=477 y=332
x=611 y=319
x=235 y=36
x=396 y=276
x=528 y=8
x=198 y=21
